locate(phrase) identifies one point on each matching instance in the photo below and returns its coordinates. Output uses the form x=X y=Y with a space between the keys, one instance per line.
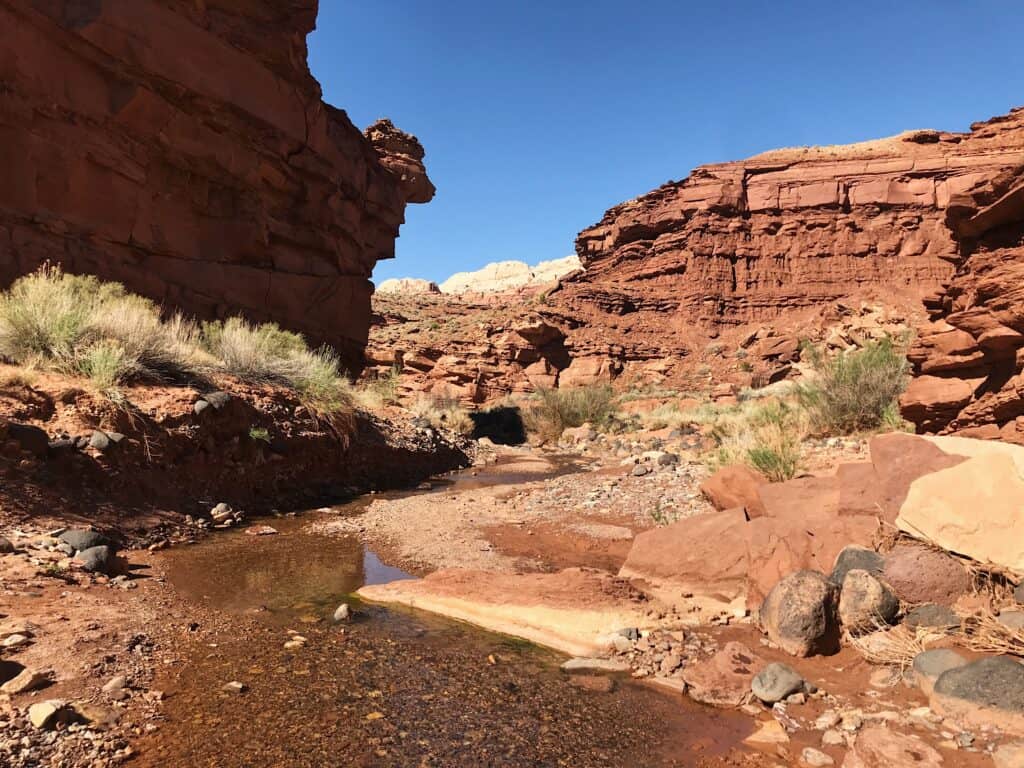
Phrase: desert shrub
x=766 y=437
x=444 y=413
x=76 y=324
x=854 y=390
x=378 y=390
x=555 y=410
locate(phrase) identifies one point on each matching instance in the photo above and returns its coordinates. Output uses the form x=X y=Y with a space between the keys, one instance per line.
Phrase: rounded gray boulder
x=775 y=682
x=865 y=602
x=800 y=614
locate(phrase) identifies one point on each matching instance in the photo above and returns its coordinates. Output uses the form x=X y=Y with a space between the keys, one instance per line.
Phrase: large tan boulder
x=975 y=509
x=735 y=486
x=899 y=459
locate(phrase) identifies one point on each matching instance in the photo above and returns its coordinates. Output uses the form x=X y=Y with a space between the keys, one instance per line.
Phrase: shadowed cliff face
x=183 y=148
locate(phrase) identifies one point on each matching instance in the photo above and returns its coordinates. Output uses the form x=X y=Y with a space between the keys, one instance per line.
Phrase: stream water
x=391 y=688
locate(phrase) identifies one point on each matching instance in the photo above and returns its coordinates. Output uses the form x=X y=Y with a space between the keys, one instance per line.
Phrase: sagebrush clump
x=554 y=410
x=855 y=390
x=81 y=326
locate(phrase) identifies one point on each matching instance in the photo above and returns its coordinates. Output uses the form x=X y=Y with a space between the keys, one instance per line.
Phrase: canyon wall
x=969 y=360
x=743 y=242
x=182 y=147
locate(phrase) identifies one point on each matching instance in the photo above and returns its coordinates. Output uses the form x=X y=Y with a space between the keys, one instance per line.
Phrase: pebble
x=26 y=680
x=234 y=687
x=14 y=641
x=815 y=758
x=343 y=612
x=44 y=714
x=832 y=738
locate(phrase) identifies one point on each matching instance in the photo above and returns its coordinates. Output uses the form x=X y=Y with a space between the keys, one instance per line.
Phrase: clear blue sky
x=537 y=115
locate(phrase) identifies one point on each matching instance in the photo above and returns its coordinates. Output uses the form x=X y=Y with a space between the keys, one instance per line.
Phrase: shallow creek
x=391 y=688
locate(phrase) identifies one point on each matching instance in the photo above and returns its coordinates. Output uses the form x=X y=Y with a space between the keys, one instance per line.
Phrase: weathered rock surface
x=967 y=357
x=508 y=275
x=865 y=602
x=881 y=747
x=724 y=679
x=775 y=682
x=744 y=241
x=986 y=692
x=183 y=149
x=975 y=509
x=735 y=486
x=856 y=558
x=799 y=614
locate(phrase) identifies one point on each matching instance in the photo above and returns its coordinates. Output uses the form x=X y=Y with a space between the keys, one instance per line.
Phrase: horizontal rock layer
x=748 y=241
x=183 y=149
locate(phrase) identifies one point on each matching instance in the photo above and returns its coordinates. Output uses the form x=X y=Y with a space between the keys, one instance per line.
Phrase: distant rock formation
x=408 y=285
x=183 y=149
x=510 y=275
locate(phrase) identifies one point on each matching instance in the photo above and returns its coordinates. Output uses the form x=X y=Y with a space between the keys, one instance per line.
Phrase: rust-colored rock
x=735 y=486
x=183 y=149
x=969 y=358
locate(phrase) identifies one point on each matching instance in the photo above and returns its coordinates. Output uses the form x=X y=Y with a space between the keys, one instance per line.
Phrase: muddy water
x=391 y=688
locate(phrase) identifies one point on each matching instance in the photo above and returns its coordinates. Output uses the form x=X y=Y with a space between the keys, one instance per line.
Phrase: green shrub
x=854 y=390
x=444 y=413
x=79 y=325
x=766 y=437
x=555 y=410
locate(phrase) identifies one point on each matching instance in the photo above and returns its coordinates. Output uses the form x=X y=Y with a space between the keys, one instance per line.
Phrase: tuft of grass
x=555 y=410
x=78 y=325
x=374 y=392
x=444 y=413
x=260 y=433
x=267 y=354
x=855 y=390
x=766 y=437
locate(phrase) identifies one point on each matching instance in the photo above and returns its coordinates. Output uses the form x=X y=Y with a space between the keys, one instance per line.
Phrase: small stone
x=234 y=687
x=880 y=747
x=6 y=547
x=217 y=399
x=775 y=682
x=621 y=644
x=199 y=406
x=16 y=640
x=832 y=738
x=769 y=734
x=929 y=665
x=96 y=559
x=46 y=714
x=856 y=558
x=827 y=720
x=865 y=602
x=797 y=698
x=815 y=758
x=82 y=538
x=931 y=615
x=261 y=530
x=640 y=470
x=1018 y=593
x=26 y=680
x=115 y=684
x=343 y=612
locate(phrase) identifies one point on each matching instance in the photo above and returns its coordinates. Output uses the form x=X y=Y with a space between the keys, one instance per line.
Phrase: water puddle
x=391 y=688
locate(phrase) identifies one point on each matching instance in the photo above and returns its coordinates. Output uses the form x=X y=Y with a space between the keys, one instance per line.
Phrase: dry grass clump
x=377 y=391
x=856 y=390
x=555 y=410
x=766 y=437
x=78 y=325
x=894 y=646
x=984 y=633
x=444 y=413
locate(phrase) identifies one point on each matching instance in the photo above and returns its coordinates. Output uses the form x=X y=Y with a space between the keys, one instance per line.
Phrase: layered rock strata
x=183 y=149
x=969 y=360
x=748 y=241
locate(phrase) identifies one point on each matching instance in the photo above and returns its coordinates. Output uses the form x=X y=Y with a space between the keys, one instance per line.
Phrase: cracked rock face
x=183 y=149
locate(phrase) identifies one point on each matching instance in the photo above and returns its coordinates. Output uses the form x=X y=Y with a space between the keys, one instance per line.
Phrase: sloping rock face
x=183 y=149
x=746 y=241
x=969 y=359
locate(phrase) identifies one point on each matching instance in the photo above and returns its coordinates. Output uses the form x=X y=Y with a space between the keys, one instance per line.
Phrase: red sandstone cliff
x=970 y=360
x=747 y=241
x=182 y=148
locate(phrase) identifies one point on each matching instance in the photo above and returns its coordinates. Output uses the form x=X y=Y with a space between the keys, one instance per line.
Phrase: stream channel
x=393 y=687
